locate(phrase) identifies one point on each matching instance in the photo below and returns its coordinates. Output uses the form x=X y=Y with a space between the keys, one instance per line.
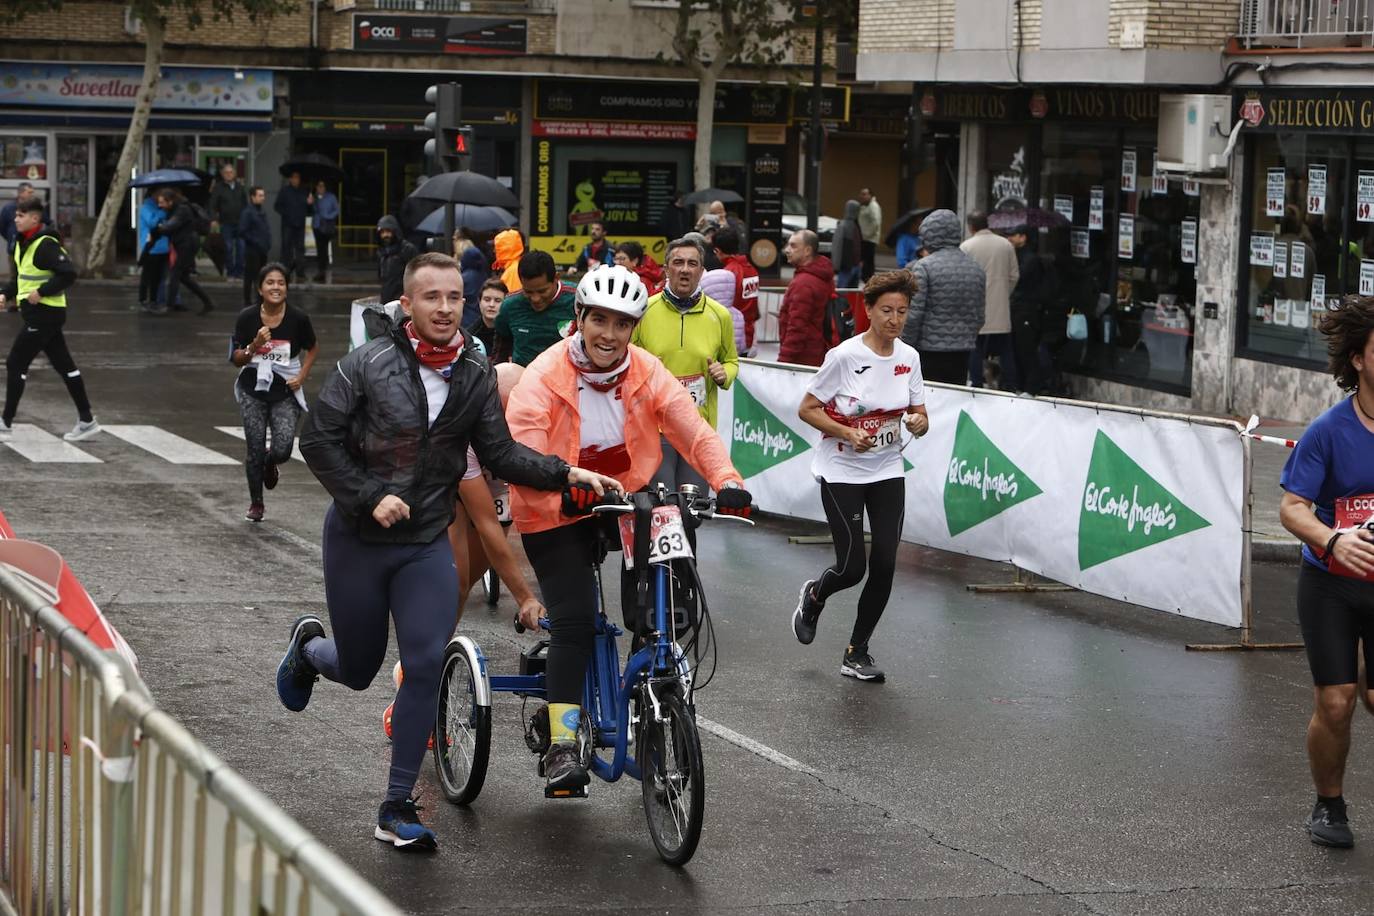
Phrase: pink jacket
x=542 y=414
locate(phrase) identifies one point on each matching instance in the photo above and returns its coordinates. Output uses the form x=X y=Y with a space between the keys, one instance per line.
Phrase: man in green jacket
x=694 y=336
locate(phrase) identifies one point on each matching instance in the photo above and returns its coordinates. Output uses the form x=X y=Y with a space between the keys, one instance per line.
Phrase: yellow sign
x=566 y=248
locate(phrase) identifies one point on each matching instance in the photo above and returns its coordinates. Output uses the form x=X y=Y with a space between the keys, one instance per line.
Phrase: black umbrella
x=169 y=178
x=706 y=195
x=466 y=188
x=478 y=219
x=903 y=221
x=312 y=167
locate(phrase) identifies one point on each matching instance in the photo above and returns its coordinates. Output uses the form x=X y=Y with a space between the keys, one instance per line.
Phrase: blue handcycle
x=650 y=702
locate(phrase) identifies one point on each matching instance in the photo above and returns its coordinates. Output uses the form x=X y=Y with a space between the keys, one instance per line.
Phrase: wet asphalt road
x=1053 y=753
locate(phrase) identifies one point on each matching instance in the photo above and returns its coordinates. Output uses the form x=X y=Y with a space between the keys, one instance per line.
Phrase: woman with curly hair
x=1331 y=471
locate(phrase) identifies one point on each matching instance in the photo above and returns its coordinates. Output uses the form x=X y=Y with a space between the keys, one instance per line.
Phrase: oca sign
x=369 y=32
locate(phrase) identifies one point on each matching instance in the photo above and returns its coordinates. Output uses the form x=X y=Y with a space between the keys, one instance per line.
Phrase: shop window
x=1007 y=171
x=73 y=182
x=175 y=151
x=24 y=157
x=1305 y=243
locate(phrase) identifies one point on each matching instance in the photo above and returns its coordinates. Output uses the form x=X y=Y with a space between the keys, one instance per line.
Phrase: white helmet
x=615 y=289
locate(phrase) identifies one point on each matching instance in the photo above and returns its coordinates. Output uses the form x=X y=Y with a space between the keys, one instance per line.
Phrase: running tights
x=845 y=504
x=417 y=584
x=562 y=562
x=42 y=333
x=259 y=416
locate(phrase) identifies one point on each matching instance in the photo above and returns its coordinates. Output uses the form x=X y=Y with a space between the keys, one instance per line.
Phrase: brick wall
x=1191 y=23
x=103 y=23
x=905 y=25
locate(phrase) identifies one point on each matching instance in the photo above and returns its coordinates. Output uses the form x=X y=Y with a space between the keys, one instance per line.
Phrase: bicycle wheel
x=672 y=778
x=491 y=587
x=462 y=729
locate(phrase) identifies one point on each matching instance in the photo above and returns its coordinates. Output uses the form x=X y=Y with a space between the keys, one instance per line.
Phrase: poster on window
x=1128 y=170
x=1063 y=205
x=1316 y=190
x=1364 y=198
x=1274 y=192
x=1280 y=260
x=627 y=197
x=1301 y=316
x=1297 y=260
x=1192 y=187
x=1125 y=236
x=1261 y=249
x=1282 y=312
x=1096 y=208
x=1159 y=182
x=1078 y=243
x=1188 y=247
x=1318 y=297
x=1367 y=278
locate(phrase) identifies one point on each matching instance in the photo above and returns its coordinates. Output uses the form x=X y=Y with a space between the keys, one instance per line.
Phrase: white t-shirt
x=860 y=388
x=602 y=415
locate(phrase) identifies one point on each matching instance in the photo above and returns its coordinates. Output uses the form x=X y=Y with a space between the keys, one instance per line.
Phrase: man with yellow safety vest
x=42 y=273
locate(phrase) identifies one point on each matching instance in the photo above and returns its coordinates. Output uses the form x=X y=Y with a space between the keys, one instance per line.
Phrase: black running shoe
x=563 y=768
x=807 y=612
x=1328 y=825
x=295 y=676
x=398 y=823
x=859 y=664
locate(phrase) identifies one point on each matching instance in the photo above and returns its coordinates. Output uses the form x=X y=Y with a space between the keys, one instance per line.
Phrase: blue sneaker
x=295 y=677
x=399 y=824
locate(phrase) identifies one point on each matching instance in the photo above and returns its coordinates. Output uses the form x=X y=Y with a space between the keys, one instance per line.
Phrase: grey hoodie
x=845 y=249
x=947 y=310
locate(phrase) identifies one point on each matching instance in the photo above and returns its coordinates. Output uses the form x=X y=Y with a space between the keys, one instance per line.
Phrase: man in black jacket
x=388 y=438
x=293 y=204
x=38 y=290
x=256 y=234
x=227 y=202
x=393 y=254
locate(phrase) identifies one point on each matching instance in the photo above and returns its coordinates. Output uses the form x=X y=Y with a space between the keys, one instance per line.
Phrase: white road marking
x=168 y=446
x=296 y=540
x=41 y=446
x=237 y=433
x=754 y=747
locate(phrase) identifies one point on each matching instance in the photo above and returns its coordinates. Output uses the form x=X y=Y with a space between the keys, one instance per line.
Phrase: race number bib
x=667 y=536
x=1353 y=512
x=500 y=497
x=278 y=351
x=696 y=387
x=886 y=429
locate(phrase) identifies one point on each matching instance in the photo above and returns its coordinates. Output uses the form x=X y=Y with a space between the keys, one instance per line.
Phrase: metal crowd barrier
x=109 y=806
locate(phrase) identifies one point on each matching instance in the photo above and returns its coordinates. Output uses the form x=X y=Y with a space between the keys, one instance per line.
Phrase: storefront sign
x=614 y=130
x=438 y=34
x=765 y=207
x=1297 y=260
x=1367 y=278
x=566 y=248
x=1261 y=249
x=1318 y=291
x=1063 y=205
x=1310 y=110
x=1159 y=182
x=626 y=197
x=1364 y=198
x=1281 y=260
x=567 y=100
x=1096 y=208
x=212 y=91
x=1125 y=236
x=1065 y=103
x=543 y=184
x=1316 y=190
x=1128 y=170
x=1188 y=246
x=1079 y=242
x=1275 y=191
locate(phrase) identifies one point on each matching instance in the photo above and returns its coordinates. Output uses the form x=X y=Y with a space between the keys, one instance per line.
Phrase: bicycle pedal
x=574 y=792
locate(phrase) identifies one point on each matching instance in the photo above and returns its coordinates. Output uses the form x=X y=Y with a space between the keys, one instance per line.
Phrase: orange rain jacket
x=508 y=248
x=543 y=414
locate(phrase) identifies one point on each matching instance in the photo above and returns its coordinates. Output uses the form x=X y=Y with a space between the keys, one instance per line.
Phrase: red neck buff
x=440 y=359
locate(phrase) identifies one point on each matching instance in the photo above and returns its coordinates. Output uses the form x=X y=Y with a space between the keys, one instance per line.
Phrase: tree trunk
x=102 y=247
x=707 y=77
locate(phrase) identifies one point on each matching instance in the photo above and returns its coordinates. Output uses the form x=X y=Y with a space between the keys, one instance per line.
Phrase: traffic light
x=452 y=143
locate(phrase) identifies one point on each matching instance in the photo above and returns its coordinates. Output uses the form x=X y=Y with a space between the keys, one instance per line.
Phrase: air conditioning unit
x=1193 y=132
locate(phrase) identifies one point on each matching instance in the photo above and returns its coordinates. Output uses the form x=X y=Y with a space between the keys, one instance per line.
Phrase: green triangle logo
x=1125 y=509
x=758 y=439
x=981 y=481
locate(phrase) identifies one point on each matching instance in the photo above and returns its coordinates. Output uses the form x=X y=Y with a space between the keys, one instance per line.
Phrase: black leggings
x=181 y=274
x=42 y=333
x=844 y=505
x=562 y=562
x=151 y=277
x=1336 y=613
x=259 y=416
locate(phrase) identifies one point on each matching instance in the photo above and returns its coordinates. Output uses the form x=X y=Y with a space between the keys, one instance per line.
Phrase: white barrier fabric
x=1142 y=509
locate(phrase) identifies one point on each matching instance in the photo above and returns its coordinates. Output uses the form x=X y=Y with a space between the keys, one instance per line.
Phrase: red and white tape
x=1249 y=433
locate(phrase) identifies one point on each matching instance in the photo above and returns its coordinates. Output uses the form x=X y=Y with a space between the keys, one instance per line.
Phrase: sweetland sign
x=215 y=91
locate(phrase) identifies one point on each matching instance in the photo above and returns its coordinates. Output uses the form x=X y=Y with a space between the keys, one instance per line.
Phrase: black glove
x=579 y=498
x=735 y=501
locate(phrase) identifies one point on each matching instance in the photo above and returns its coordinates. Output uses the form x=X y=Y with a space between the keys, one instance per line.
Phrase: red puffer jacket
x=803 y=311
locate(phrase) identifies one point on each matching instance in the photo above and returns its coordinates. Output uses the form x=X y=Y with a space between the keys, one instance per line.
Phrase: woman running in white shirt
x=867 y=389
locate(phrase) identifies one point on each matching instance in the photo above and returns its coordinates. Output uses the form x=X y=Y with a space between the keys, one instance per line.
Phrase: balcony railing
x=1312 y=24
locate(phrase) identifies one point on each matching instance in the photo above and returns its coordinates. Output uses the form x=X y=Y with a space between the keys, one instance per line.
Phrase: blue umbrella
x=169 y=177
x=476 y=218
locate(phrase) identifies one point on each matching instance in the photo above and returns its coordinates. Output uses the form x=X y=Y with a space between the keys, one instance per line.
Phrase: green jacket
x=687 y=342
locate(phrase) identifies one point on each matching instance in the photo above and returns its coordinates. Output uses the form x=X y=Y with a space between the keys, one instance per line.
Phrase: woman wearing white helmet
x=599 y=402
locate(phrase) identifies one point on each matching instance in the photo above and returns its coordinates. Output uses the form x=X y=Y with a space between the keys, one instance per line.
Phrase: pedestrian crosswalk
x=39 y=446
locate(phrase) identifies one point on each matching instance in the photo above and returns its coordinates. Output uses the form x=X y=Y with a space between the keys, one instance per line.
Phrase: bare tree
x=155 y=16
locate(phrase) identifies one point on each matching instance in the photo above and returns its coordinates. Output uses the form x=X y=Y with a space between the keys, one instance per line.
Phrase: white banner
x=1140 y=508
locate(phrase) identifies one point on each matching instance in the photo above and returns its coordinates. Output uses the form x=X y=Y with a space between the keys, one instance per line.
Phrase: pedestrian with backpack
x=185 y=225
